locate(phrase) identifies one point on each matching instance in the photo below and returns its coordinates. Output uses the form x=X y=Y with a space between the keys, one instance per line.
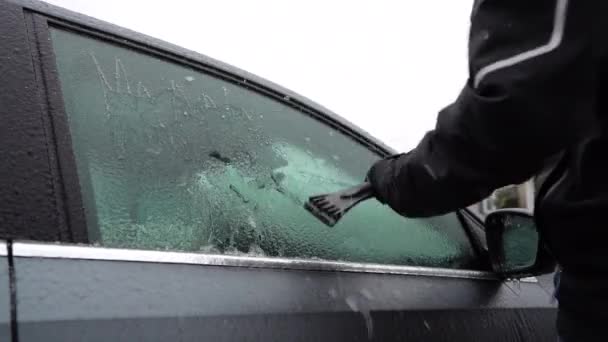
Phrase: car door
x=183 y=188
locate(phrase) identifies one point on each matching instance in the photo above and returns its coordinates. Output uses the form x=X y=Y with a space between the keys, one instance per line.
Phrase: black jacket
x=537 y=88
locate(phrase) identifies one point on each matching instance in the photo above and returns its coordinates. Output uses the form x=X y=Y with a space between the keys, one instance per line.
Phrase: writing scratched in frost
x=169 y=113
x=121 y=84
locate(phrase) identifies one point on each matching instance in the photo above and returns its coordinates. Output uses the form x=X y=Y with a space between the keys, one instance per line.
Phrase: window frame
x=41 y=17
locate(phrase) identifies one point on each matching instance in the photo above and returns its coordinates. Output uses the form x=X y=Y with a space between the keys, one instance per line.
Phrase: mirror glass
x=519 y=242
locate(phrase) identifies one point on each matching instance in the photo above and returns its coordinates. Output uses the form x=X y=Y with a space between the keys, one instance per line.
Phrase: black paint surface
x=106 y=300
x=28 y=191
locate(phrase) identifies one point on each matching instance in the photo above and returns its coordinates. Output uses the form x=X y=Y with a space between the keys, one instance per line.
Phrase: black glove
x=381 y=176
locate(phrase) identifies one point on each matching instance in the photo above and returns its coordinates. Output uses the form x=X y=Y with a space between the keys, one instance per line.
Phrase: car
x=152 y=193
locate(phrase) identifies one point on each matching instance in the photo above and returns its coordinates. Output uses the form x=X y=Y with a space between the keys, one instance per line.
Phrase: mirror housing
x=514 y=245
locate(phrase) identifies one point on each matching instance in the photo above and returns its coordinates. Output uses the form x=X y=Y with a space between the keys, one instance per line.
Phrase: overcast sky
x=387 y=66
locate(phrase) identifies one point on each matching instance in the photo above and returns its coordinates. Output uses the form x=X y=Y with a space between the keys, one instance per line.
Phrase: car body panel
x=5 y=295
x=27 y=180
x=99 y=300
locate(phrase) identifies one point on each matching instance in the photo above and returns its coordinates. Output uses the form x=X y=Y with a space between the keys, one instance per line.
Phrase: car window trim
x=28 y=249
x=62 y=161
x=474 y=229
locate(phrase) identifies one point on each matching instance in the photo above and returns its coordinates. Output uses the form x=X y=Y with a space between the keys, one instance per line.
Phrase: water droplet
x=333 y=293
x=162 y=125
x=352 y=303
x=331 y=133
x=189 y=78
x=336 y=158
x=185 y=113
x=366 y=294
x=287 y=98
x=307 y=139
x=261 y=116
x=426 y=324
x=369 y=323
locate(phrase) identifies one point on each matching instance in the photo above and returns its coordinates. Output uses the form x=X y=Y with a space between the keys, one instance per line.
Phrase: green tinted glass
x=172 y=158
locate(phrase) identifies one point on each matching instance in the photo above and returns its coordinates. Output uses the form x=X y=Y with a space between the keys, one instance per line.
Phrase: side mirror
x=514 y=245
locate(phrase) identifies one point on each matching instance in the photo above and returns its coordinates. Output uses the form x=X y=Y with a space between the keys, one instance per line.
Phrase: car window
x=171 y=158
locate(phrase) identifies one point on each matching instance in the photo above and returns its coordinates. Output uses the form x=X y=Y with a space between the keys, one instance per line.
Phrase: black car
x=152 y=193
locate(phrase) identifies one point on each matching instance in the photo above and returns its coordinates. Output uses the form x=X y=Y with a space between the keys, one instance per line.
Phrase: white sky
x=387 y=66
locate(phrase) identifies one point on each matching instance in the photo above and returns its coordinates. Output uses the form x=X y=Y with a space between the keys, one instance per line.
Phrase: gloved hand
x=381 y=176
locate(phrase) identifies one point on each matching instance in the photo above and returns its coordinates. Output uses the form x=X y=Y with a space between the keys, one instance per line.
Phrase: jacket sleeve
x=531 y=93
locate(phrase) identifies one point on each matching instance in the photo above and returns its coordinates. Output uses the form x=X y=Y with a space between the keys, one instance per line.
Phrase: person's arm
x=531 y=93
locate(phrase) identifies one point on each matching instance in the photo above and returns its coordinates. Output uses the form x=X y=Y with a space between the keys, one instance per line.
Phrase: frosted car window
x=170 y=158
